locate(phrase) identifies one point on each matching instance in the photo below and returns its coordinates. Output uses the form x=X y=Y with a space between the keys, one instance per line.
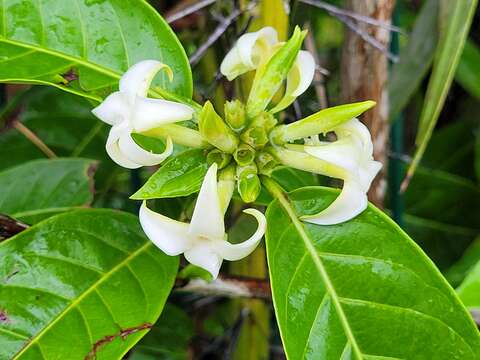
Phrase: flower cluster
x=245 y=145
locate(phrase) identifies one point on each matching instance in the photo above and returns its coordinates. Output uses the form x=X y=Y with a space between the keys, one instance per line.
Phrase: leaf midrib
x=77 y=301
x=320 y=267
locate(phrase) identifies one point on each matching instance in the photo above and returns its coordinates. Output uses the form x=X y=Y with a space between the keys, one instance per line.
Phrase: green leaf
x=361 y=289
x=42 y=188
x=180 y=175
x=460 y=14
x=469 y=290
x=415 y=59
x=83 y=46
x=81 y=285
x=168 y=339
x=468 y=71
x=457 y=273
x=62 y=121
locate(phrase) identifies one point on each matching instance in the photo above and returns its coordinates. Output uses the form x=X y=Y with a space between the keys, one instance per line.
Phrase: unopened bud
x=265 y=120
x=248 y=183
x=219 y=157
x=226 y=185
x=244 y=155
x=215 y=131
x=266 y=163
x=235 y=115
x=255 y=136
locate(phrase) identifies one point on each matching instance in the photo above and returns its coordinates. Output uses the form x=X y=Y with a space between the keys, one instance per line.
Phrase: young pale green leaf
x=84 y=46
x=168 y=339
x=91 y=286
x=41 y=188
x=469 y=290
x=459 y=271
x=180 y=175
x=448 y=54
x=415 y=59
x=375 y=294
x=468 y=71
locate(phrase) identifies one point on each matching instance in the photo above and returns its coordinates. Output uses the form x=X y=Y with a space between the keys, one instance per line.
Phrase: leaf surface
x=42 y=188
x=361 y=289
x=180 y=175
x=83 y=46
x=90 y=286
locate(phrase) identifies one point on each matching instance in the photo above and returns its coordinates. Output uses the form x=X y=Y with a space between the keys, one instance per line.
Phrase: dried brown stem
x=30 y=135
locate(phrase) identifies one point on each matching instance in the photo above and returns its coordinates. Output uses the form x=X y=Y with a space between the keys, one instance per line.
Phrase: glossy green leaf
x=84 y=46
x=415 y=59
x=451 y=42
x=42 y=188
x=468 y=71
x=360 y=289
x=90 y=284
x=180 y=175
x=168 y=339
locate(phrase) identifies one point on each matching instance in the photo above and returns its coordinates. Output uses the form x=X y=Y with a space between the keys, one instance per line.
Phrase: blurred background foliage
x=440 y=207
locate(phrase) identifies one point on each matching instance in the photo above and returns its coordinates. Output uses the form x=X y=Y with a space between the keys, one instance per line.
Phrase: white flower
x=203 y=241
x=352 y=154
x=252 y=50
x=130 y=110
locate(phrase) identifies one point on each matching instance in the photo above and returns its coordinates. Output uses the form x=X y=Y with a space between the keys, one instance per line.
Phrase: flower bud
x=235 y=115
x=320 y=122
x=266 y=163
x=269 y=78
x=248 y=183
x=226 y=185
x=265 y=120
x=255 y=136
x=215 y=131
x=244 y=155
x=220 y=158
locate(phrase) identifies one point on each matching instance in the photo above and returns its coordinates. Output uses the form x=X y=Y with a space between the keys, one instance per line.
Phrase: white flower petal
x=233 y=252
x=248 y=52
x=113 y=148
x=351 y=202
x=138 y=155
x=114 y=109
x=358 y=130
x=136 y=81
x=343 y=153
x=368 y=173
x=169 y=235
x=151 y=113
x=207 y=218
x=299 y=79
x=203 y=255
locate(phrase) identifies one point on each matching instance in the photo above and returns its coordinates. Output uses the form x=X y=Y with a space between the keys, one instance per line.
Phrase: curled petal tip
x=234 y=252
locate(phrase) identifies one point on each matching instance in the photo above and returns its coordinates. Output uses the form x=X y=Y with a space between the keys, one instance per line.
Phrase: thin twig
x=318 y=78
x=219 y=30
x=368 y=38
x=30 y=135
x=338 y=12
x=189 y=10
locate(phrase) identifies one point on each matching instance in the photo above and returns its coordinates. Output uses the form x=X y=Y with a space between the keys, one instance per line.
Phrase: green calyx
x=269 y=78
x=248 y=182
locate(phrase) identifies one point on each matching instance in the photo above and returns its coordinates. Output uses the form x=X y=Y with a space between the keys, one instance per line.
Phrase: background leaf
x=42 y=188
x=370 y=279
x=415 y=59
x=90 y=274
x=84 y=46
x=458 y=21
x=468 y=71
x=168 y=339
